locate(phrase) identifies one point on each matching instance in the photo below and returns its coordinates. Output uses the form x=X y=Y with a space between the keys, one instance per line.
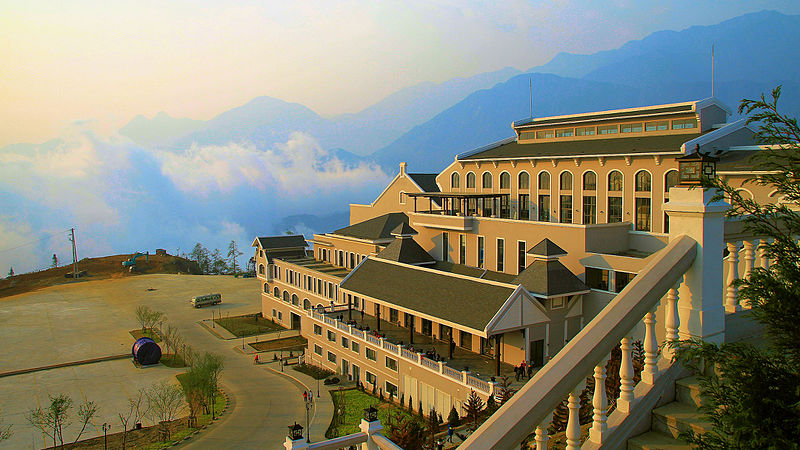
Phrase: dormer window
x=684 y=123
x=608 y=129
x=545 y=134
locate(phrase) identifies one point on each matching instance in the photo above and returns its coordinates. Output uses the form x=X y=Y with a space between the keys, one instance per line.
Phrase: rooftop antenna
x=712 y=70
x=530 y=87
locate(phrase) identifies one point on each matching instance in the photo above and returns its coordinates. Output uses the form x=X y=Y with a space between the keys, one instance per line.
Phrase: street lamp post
x=106 y=427
x=307 y=400
x=212 y=318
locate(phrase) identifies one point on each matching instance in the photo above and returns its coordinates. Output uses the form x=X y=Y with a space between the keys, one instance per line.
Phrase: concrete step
x=656 y=441
x=675 y=418
x=687 y=391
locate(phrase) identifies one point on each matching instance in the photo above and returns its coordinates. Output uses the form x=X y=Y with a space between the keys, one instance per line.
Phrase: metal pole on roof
x=712 y=70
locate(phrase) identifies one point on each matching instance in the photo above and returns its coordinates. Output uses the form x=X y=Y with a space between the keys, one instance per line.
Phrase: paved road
x=92 y=319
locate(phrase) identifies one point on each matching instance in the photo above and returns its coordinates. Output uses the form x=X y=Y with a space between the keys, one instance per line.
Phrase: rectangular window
x=317 y=349
x=589 y=209
x=393 y=315
x=557 y=303
x=371 y=378
x=631 y=127
x=370 y=354
x=597 y=279
x=684 y=123
x=480 y=251
x=501 y=254
x=567 y=132
x=465 y=340
x=607 y=129
x=526 y=135
x=427 y=327
x=566 y=209
x=345 y=342
x=445 y=247
x=317 y=330
x=331 y=336
x=274 y=313
x=614 y=209
x=544 y=208
x=391 y=364
x=355 y=346
x=643 y=214
x=521 y=252
x=545 y=134
x=330 y=290
x=585 y=131
x=660 y=125
x=391 y=390
x=280 y=316
x=331 y=357
x=621 y=280
x=524 y=206
x=462 y=249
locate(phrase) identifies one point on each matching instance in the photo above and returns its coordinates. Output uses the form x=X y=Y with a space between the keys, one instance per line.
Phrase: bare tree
x=164 y=402
x=155 y=317
x=86 y=412
x=5 y=431
x=137 y=407
x=142 y=316
x=51 y=421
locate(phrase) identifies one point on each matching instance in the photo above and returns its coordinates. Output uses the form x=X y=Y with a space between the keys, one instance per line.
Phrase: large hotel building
x=448 y=280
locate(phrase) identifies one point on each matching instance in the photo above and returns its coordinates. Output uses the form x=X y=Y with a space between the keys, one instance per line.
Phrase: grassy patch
x=315 y=372
x=148 y=333
x=289 y=343
x=173 y=360
x=353 y=403
x=248 y=325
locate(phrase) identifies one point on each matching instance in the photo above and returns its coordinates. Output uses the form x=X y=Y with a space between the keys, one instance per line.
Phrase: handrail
x=540 y=396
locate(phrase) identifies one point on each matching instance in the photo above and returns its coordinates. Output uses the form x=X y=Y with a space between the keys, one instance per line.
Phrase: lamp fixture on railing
x=695 y=167
x=370 y=414
x=295 y=431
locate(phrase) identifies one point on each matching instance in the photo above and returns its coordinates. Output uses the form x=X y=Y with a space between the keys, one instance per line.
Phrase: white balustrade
x=541 y=433
x=650 y=370
x=573 y=432
x=749 y=258
x=672 y=320
x=732 y=292
x=762 y=253
x=626 y=376
x=599 y=404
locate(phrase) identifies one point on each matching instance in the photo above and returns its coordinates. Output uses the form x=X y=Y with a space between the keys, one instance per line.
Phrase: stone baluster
x=672 y=321
x=541 y=433
x=732 y=293
x=573 y=431
x=599 y=427
x=626 y=376
x=749 y=258
x=762 y=253
x=650 y=349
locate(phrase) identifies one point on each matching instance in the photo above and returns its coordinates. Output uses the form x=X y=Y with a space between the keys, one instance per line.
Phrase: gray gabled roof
x=403 y=229
x=376 y=228
x=464 y=301
x=283 y=241
x=406 y=250
x=549 y=279
x=737 y=161
x=547 y=249
x=427 y=181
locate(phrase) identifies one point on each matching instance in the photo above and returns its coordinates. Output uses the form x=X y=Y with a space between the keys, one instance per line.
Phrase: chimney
x=403 y=169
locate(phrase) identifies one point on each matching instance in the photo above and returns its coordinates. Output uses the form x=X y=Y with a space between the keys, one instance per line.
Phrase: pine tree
x=10 y=272
x=453 y=418
x=233 y=253
x=473 y=407
x=55 y=261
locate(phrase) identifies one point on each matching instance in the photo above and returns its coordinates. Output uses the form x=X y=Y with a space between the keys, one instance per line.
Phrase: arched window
x=276 y=293
x=295 y=300
x=642 y=181
x=261 y=269
x=505 y=180
x=524 y=180
x=670 y=180
x=402 y=202
x=306 y=304
x=544 y=181
x=615 y=181
x=455 y=180
x=266 y=288
x=470 y=180
x=486 y=180
x=589 y=181
x=565 y=182
x=286 y=296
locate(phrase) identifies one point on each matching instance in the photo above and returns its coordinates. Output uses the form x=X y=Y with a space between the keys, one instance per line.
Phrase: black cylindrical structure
x=146 y=351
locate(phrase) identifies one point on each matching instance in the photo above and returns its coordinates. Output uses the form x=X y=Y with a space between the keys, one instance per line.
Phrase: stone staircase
x=670 y=420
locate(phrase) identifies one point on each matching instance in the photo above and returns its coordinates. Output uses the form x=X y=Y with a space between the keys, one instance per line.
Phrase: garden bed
x=248 y=325
x=294 y=343
x=315 y=372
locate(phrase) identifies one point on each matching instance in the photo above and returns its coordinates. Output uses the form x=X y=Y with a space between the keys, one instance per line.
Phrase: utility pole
x=74 y=254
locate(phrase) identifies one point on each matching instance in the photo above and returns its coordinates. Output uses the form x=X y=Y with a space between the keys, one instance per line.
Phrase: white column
x=701 y=309
x=573 y=432
x=672 y=320
x=370 y=429
x=541 y=433
x=732 y=292
x=626 y=376
x=650 y=349
x=599 y=404
x=749 y=258
x=762 y=253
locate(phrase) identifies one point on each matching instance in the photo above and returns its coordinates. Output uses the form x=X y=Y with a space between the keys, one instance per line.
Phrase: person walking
x=449 y=433
x=530 y=371
x=516 y=372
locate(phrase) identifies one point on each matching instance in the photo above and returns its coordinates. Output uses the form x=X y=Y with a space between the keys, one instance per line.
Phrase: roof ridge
x=449 y=274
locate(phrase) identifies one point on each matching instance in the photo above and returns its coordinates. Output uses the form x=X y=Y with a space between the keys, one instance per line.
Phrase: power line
x=34 y=242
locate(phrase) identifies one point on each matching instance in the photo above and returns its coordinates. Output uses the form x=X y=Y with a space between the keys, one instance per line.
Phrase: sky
x=106 y=62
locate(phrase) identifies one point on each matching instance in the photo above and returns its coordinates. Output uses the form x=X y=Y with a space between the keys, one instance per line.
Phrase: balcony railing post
x=573 y=432
x=650 y=349
x=749 y=258
x=599 y=403
x=732 y=292
x=541 y=433
x=762 y=253
x=672 y=321
x=626 y=376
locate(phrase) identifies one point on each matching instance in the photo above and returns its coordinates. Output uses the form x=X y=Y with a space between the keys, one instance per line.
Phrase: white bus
x=210 y=299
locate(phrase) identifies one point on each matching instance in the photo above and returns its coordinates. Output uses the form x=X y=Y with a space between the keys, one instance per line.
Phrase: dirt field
x=96 y=269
